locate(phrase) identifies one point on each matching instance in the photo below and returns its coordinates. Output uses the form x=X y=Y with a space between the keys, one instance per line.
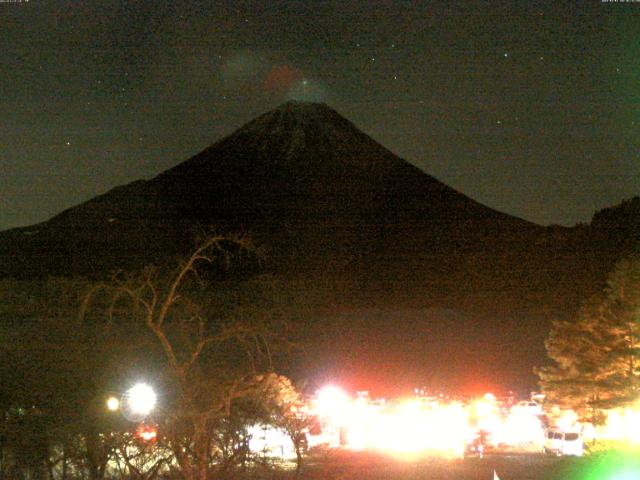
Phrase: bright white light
x=141 y=399
x=271 y=441
x=113 y=404
x=332 y=402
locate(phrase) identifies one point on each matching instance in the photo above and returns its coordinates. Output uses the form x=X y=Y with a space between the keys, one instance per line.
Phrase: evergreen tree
x=597 y=356
x=622 y=316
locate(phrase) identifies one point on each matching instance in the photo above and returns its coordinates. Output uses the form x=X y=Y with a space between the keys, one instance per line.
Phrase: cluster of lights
x=418 y=425
x=415 y=425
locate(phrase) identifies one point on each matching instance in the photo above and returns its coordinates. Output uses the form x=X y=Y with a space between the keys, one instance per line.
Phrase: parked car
x=560 y=442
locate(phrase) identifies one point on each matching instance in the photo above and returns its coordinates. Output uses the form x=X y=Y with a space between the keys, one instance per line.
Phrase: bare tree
x=288 y=411
x=140 y=460
x=213 y=352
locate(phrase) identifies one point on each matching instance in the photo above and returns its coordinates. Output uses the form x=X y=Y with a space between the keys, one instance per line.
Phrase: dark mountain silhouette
x=333 y=207
x=300 y=177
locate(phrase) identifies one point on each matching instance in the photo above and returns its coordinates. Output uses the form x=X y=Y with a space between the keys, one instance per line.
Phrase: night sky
x=534 y=111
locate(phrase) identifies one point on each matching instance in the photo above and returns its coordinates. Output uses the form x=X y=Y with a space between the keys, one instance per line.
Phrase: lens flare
x=613 y=465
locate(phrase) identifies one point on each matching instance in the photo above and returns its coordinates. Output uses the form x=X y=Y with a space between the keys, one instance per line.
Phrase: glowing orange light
x=146 y=433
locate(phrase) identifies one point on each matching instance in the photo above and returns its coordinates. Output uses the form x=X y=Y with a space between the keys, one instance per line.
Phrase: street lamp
x=113 y=404
x=141 y=399
x=136 y=403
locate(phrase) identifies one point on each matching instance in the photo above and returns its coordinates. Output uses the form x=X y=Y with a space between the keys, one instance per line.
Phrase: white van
x=559 y=442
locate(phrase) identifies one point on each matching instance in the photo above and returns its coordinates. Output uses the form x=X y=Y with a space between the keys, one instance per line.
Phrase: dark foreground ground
x=346 y=466
x=342 y=465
